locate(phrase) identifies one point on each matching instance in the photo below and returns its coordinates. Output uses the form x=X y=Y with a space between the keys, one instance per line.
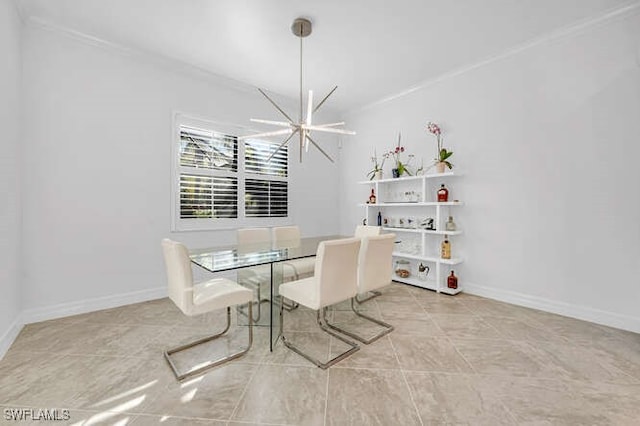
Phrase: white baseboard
x=46 y=313
x=10 y=335
x=597 y=316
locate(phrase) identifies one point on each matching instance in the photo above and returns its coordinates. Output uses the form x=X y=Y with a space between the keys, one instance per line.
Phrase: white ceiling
x=371 y=49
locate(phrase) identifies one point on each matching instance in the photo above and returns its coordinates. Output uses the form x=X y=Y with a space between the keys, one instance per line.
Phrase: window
x=221 y=182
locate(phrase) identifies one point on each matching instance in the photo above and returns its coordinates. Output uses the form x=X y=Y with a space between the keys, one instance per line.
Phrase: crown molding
x=574 y=29
x=162 y=61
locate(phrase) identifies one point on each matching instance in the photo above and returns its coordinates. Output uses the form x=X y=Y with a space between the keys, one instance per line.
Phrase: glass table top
x=218 y=259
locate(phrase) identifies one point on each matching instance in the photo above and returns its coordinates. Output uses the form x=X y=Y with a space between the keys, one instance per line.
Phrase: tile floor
x=451 y=360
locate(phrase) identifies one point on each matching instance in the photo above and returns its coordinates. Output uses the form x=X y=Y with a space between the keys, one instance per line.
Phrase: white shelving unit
x=426 y=247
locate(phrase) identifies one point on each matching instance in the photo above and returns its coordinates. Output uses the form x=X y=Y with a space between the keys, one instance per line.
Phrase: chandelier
x=303 y=127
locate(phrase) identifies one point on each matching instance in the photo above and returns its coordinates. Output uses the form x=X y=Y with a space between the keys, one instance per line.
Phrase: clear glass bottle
x=450 y=225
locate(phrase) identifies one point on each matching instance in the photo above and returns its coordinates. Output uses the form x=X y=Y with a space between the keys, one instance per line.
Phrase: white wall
x=97 y=182
x=10 y=209
x=548 y=140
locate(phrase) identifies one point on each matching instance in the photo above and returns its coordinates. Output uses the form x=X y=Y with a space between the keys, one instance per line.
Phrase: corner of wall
x=10 y=335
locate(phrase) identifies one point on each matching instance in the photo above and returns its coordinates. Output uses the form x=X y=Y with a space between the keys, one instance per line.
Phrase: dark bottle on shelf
x=452 y=281
x=379 y=219
x=372 y=197
x=443 y=193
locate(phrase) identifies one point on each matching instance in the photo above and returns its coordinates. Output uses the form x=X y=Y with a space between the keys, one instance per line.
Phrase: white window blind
x=204 y=197
x=224 y=182
x=256 y=154
x=265 y=198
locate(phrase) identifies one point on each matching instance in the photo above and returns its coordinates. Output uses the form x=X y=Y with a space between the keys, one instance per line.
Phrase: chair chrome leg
x=332 y=361
x=371 y=295
x=289 y=307
x=388 y=328
x=211 y=364
x=258 y=303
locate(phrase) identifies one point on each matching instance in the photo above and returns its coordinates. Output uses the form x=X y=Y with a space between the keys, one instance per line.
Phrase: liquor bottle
x=445 y=251
x=379 y=219
x=443 y=194
x=372 y=197
x=452 y=281
x=450 y=225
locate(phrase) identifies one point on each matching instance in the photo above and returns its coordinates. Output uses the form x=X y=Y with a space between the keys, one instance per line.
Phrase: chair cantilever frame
x=361 y=232
x=335 y=280
x=253 y=238
x=195 y=371
x=198 y=299
x=374 y=271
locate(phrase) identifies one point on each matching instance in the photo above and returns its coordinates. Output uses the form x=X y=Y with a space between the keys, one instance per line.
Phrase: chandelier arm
x=309 y=106
x=271 y=122
x=341 y=123
x=263 y=135
x=281 y=145
x=275 y=105
x=319 y=149
x=329 y=130
x=325 y=98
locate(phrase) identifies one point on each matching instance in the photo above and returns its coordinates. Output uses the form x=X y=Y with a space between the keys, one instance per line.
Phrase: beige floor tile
x=40 y=379
x=42 y=336
x=210 y=396
x=107 y=339
x=624 y=350
x=505 y=357
x=421 y=326
x=118 y=384
x=567 y=402
x=148 y=420
x=467 y=359
x=62 y=416
x=487 y=307
x=456 y=325
x=397 y=304
x=420 y=353
x=234 y=341
x=315 y=344
x=521 y=328
x=353 y=401
x=446 y=305
x=285 y=395
x=379 y=354
x=456 y=399
x=586 y=362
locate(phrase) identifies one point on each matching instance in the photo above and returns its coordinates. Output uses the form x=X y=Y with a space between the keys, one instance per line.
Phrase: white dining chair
x=374 y=272
x=334 y=281
x=289 y=236
x=367 y=231
x=250 y=240
x=195 y=299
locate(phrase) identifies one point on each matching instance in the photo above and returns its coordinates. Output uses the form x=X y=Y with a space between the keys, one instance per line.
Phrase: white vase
x=377 y=175
x=440 y=166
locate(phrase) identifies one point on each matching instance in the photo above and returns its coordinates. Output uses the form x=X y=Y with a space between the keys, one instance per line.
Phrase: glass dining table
x=273 y=255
